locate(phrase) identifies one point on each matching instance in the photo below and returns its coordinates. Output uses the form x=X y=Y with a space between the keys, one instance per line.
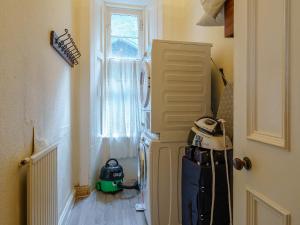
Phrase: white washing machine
x=145 y=84
x=175 y=87
x=160 y=179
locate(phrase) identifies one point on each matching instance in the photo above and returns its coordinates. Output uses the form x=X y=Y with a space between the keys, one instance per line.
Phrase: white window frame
x=119 y=9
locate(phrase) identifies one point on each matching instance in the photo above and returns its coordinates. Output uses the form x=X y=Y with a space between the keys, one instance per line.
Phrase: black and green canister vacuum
x=112 y=178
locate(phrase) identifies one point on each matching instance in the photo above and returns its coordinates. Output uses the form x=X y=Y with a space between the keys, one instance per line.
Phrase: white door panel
x=262 y=211
x=267 y=70
x=267 y=112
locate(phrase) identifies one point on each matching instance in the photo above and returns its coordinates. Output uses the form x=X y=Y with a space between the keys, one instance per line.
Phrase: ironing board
x=225 y=110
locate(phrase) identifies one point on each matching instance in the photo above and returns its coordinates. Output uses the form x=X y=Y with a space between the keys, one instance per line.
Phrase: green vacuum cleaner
x=112 y=177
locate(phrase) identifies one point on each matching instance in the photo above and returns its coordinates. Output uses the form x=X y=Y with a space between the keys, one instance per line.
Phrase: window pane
x=124 y=47
x=124 y=25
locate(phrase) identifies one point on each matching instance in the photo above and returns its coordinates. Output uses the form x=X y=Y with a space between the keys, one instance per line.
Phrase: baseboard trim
x=66 y=213
x=82 y=192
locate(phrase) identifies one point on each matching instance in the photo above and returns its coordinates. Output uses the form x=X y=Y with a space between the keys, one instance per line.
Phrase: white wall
x=130 y=166
x=173 y=19
x=88 y=108
x=88 y=29
x=165 y=19
x=82 y=29
x=97 y=69
x=37 y=90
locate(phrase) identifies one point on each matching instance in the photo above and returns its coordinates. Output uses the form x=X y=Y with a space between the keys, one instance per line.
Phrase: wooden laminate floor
x=108 y=209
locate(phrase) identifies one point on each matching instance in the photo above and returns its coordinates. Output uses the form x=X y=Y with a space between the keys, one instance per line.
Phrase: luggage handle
x=107 y=162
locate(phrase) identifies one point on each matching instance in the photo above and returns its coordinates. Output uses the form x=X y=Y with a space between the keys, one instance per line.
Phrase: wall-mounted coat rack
x=65 y=46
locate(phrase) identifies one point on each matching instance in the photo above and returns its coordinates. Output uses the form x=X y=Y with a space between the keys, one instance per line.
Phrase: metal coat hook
x=69 y=49
x=71 y=46
x=62 y=42
x=75 y=57
x=75 y=48
x=66 y=32
x=65 y=46
x=73 y=51
x=77 y=54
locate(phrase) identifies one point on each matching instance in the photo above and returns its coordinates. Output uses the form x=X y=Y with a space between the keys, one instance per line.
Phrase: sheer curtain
x=121 y=111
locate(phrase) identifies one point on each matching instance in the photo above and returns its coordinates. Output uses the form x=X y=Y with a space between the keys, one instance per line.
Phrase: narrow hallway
x=108 y=209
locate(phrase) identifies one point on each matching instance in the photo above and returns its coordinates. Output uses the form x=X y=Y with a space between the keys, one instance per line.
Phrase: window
x=124 y=33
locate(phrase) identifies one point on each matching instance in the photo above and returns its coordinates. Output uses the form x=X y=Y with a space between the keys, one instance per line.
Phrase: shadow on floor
x=108 y=209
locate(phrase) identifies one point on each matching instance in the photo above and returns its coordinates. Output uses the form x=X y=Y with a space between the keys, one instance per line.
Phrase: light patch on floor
x=108 y=209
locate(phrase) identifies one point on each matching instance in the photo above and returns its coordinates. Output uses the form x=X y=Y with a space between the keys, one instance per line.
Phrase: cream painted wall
x=177 y=21
x=82 y=21
x=173 y=19
x=37 y=89
x=88 y=29
x=222 y=51
x=179 y=18
x=86 y=20
x=97 y=69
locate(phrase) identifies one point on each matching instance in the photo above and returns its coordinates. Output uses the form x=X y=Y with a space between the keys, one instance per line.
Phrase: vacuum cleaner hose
x=134 y=186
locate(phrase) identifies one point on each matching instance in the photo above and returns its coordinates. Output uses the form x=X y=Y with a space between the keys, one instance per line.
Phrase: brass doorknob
x=240 y=164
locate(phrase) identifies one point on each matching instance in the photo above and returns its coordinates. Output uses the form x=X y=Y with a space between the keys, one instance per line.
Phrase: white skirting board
x=65 y=216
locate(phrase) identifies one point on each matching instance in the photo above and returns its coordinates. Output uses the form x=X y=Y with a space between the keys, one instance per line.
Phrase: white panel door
x=267 y=112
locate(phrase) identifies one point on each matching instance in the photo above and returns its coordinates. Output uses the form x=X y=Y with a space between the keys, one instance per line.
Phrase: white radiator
x=42 y=188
